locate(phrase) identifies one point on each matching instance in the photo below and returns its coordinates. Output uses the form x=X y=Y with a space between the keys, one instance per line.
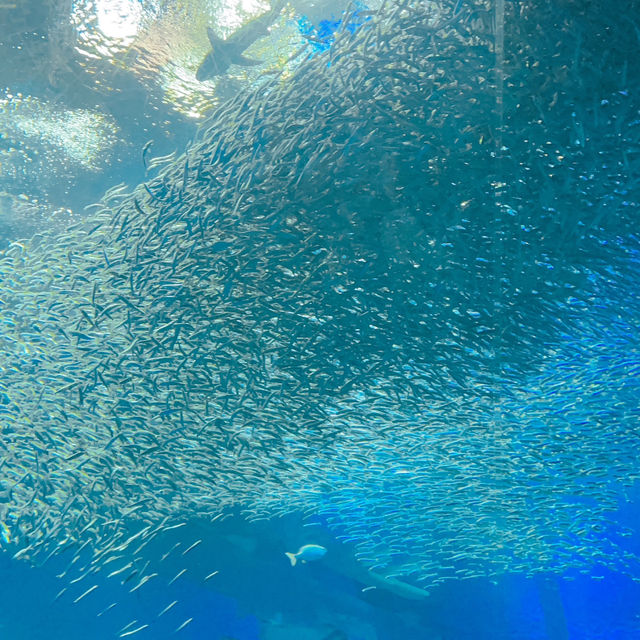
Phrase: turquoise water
x=366 y=281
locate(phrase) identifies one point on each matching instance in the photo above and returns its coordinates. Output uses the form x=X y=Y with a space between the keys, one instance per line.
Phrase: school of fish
x=360 y=294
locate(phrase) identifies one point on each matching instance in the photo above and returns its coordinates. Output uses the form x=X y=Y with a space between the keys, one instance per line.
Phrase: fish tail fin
x=292 y=558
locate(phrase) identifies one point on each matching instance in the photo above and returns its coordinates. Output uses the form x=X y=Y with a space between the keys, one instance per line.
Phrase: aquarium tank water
x=319 y=319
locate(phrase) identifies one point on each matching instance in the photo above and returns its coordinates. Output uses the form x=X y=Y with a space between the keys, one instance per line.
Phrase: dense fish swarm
x=364 y=292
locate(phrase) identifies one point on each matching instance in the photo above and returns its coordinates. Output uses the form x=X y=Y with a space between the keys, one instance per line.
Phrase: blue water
x=237 y=583
x=257 y=594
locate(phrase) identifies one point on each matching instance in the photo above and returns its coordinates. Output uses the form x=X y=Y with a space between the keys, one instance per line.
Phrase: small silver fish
x=306 y=553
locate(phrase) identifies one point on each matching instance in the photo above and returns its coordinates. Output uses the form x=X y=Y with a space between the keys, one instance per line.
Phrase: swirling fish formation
x=360 y=294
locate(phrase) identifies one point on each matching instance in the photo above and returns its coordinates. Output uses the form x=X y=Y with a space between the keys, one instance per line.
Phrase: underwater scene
x=319 y=319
